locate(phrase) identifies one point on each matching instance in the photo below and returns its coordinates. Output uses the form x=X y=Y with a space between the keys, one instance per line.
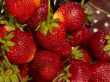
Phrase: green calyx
x=26 y=79
x=64 y=75
x=6 y=42
x=8 y=72
x=11 y=22
x=107 y=46
x=48 y=25
x=76 y=53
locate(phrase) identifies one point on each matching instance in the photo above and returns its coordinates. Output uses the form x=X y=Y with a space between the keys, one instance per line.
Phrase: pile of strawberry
x=39 y=46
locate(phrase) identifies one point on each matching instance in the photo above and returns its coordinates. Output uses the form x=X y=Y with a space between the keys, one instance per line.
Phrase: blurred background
x=101 y=13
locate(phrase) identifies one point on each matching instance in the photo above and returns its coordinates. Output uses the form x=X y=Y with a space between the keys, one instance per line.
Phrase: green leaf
x=11 y=20
x=9 y=36
x=107 y=48
x=66 y=69
x=45 y=31
x=88 y=11
x=10 y=43
x=26 y=79
x=107 y=37
x=15 y=69
x=1 y=78
x=7 y=79
x=2 y=48
x=50 y=29
x=76 y=53
x=55 y=25
x=6 y=64
x=6 y=48
x=3 y=22
x=1 y=40
x=14 y=78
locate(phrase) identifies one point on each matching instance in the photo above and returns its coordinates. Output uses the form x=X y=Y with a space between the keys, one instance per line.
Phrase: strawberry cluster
x=37 y=45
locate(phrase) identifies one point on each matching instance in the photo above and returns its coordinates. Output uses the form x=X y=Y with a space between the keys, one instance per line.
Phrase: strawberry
x=81 y=54
x=23 y=71
x=80 y=37
x=39 y=15
x=54 y=40
x=51 y=35
x=99 y=44
x=72 y=15
x=100 y=72
x=64 y=49
x=45 y=65
x=23 y=49
x=22 y=9
x=76 y=71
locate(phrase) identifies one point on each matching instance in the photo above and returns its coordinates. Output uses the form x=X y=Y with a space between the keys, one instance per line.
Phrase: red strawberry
x=80 y=38
x=100 y=44
x=23 y=71
x=51 y=35
x=45 y=65
x=81 y=54
x=100 y=72
x=22 y=9
x=39 y=15
x=72 y=15
x=76 y=71
x=52 y=40
x=24 y=49
x=64 y=49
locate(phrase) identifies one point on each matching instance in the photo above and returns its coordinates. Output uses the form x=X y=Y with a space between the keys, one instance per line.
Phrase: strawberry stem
x=63 y=75
x=58 y=77
x=49 y=14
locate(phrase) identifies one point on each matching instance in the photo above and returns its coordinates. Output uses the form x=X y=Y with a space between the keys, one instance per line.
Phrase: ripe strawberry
x=39 y=15
x=72 y=15
x=76 y=71
x=24 y=49
x=100 y=44
x=64 y=49
x=100 y=72
x=80 y=38
x=80 y=71
x=81 y=54
x=52 y=40
x=22 y=9
x=23 y=71
x=45 y=65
